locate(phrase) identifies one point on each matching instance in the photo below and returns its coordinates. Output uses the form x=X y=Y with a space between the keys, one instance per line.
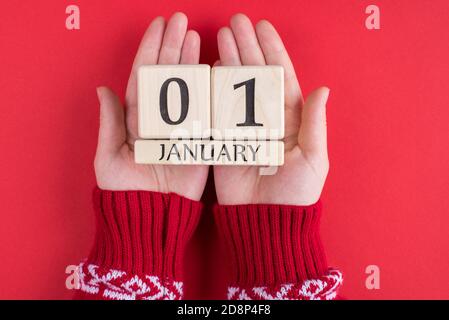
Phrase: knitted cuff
x=274 y=249
x=139 y=244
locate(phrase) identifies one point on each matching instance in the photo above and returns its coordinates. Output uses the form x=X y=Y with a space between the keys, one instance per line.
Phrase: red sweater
x=275 y=250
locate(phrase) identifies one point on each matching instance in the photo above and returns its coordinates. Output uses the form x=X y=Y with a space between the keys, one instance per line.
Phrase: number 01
x=184 y=91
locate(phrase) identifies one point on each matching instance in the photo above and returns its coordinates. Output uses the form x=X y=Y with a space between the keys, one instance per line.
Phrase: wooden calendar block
x=248 y=102
x=174 y=101
x=209 y=152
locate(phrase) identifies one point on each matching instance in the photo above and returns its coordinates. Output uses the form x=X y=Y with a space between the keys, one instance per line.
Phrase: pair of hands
x=298 y=182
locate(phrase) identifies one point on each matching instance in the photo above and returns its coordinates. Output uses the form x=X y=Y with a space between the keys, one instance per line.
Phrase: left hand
x=163 y=43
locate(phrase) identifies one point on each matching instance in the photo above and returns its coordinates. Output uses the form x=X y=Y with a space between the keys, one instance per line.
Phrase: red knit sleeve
x=276 y=252
x=139 y=246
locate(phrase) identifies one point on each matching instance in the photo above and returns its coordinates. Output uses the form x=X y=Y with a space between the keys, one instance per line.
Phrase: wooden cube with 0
x=248 y=103
x=174 y=101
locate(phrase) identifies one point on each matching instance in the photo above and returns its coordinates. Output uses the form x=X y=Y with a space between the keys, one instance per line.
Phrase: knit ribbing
x=143 y=232
x=272 y=244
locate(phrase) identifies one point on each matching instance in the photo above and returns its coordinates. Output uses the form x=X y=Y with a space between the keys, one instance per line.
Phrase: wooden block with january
x=209 y=152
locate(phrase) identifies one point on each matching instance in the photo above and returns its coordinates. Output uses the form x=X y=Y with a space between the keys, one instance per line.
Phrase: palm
x=125 y=174
x=300 y=180
x=115 y=168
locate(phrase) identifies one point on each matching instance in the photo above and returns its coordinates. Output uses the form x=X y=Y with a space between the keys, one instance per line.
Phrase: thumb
x=312 y=136
x=112 y=133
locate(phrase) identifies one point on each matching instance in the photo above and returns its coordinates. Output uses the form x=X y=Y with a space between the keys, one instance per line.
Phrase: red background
x=386 y=200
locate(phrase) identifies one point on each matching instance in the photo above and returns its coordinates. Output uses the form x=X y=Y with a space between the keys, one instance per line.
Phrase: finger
x=227 y=48
x=112 y=133
x=312 y=136
x=276 y=54
x=190 y=53
x=173 y=39
x=245 y=36
x=148 y=53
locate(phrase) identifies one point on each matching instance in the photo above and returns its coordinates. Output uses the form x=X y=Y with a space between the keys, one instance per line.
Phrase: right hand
x=301 y=179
